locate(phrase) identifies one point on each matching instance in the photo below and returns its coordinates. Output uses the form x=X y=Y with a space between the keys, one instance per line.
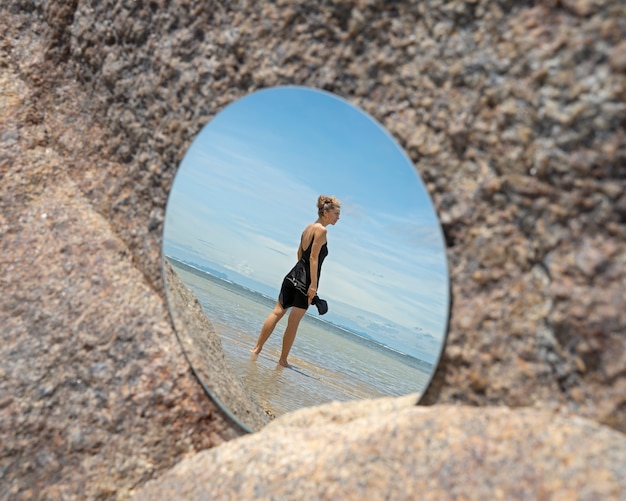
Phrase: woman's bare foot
x=284 y=363
x=256 y=350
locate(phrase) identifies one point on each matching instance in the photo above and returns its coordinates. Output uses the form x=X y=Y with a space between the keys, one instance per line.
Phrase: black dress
x=290 y=293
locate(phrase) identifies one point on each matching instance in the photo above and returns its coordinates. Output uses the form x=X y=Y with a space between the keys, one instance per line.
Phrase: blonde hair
x=325 y=203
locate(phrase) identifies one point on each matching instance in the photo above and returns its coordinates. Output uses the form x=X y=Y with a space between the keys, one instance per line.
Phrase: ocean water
x=328 y=362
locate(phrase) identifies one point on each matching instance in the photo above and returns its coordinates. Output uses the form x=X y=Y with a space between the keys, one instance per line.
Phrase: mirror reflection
x=312 y=247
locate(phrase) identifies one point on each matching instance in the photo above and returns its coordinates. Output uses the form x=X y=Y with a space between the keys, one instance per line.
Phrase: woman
x=311 y=254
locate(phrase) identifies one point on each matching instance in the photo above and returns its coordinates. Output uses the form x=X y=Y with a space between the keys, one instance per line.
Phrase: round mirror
x=245 y=211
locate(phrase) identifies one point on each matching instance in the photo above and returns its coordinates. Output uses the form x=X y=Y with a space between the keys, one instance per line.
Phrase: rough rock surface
x=395 y=450
x=95 y=394
x=513 y=112
x=89 y=403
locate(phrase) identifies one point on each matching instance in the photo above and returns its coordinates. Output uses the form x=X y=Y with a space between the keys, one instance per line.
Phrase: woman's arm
x=319 y=240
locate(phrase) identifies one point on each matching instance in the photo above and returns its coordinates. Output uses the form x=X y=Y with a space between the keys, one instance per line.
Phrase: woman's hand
x=311 y=293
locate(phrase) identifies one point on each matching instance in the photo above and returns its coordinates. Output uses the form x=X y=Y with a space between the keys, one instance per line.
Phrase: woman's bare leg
x=290 y=333
x=268 y=327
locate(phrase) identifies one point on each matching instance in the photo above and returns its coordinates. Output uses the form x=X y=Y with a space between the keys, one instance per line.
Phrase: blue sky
x=248 y=186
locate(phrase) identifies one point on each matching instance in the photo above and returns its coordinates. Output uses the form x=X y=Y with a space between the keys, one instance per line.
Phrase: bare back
x=315 y=232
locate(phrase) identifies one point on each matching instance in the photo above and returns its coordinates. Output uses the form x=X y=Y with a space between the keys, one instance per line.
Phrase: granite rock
x=395 y=450
x=95 y=394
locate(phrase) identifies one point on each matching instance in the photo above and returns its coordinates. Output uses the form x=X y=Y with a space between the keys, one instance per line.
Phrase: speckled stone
x=90 y=402
x=406 y=452
x=95 y=394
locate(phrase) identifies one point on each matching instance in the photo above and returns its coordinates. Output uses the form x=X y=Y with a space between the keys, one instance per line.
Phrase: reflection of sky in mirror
x=249 y=184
